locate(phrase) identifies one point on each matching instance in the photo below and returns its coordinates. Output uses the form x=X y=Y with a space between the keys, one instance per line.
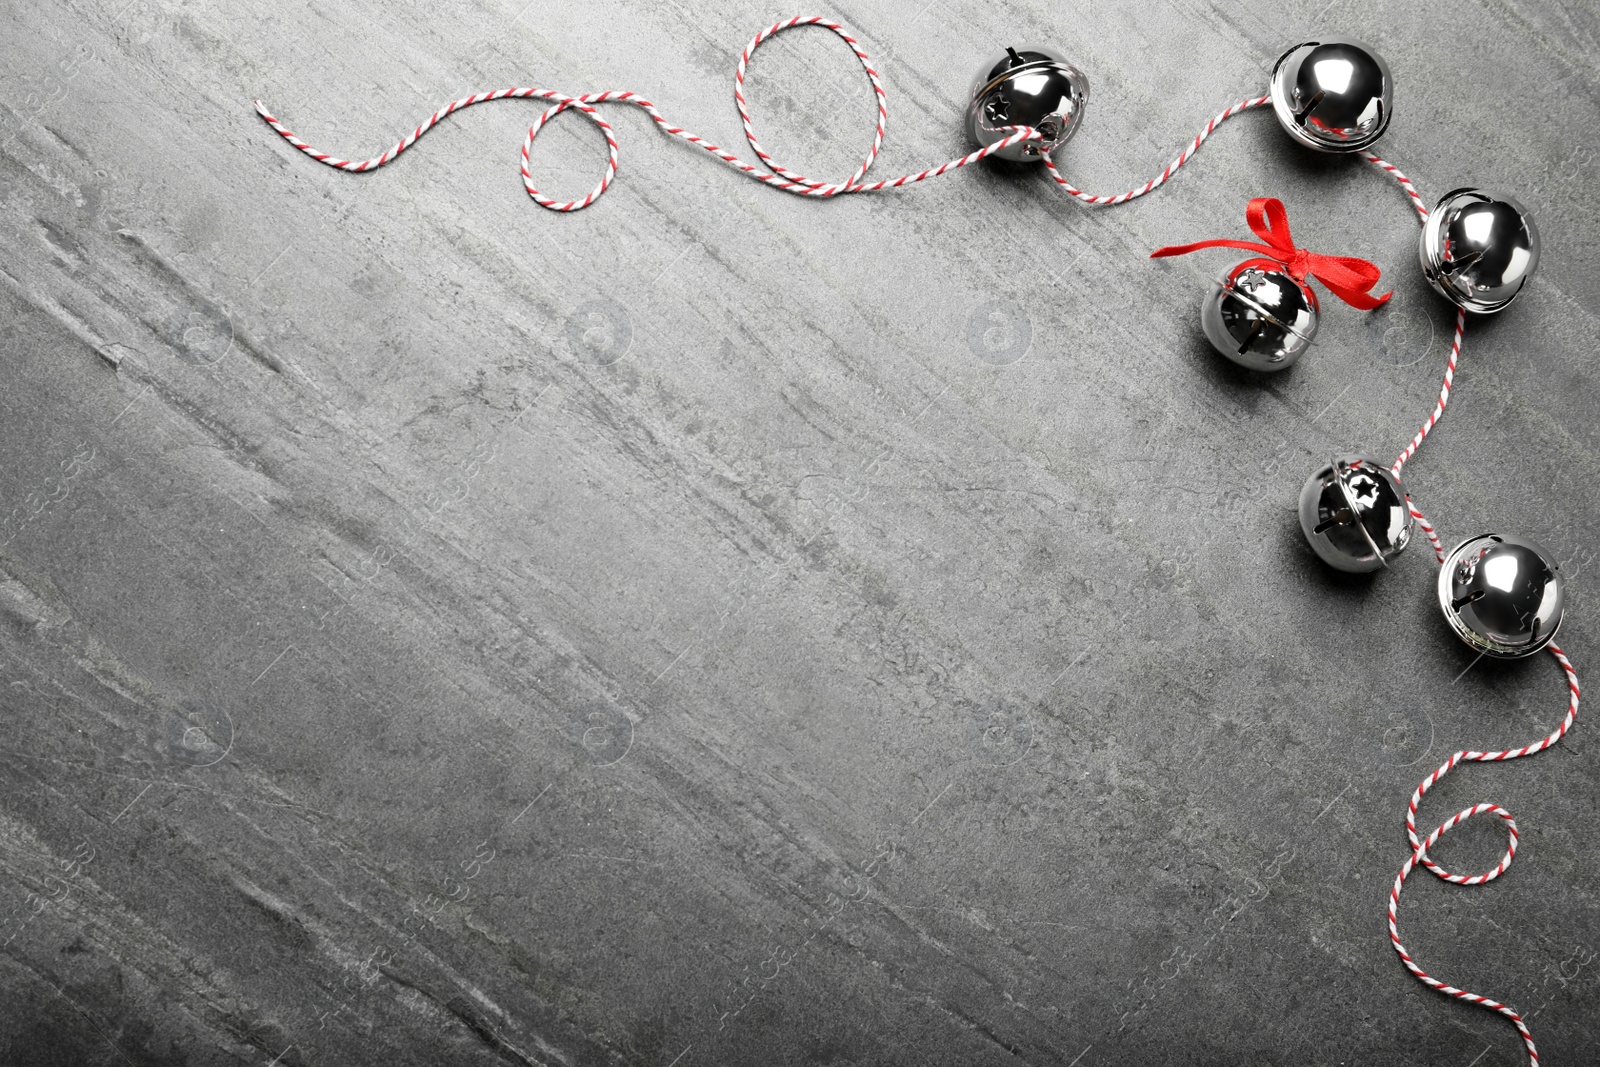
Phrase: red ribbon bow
x=1348 y=278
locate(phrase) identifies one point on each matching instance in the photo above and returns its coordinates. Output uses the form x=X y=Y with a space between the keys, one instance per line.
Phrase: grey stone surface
x=695 y=631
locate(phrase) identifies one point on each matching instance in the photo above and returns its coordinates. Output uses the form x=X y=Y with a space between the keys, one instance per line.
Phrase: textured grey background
x=702 y=630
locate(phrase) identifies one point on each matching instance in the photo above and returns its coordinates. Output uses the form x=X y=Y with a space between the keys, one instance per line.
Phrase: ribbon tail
x=1183 y=250
x=1351 y=280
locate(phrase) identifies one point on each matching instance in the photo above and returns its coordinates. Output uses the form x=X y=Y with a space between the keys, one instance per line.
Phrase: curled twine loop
x=774 y=174
x=1421 y=847
x=769 y=171
x=1346 y=277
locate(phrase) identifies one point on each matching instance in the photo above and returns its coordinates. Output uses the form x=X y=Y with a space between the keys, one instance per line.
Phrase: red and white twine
x=1433 y=419
x=1444 y=394
x=774 y=174
x=1172 y=168
x=769 y=170
x=1420 y=848
x=1405 y=183
x=1427 y=528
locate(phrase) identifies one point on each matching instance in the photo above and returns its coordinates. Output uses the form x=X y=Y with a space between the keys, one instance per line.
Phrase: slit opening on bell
x=1342 y=517
x=1303 y=115
x=1255 y=331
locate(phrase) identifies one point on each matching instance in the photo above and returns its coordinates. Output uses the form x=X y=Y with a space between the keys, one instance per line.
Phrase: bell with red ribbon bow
x=1262 y=314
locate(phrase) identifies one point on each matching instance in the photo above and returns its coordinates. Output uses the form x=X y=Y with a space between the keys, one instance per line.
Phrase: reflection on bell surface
x=1354 y=514
x=1259 y=316
x=1502 y=595
x=1026 y=87
x=1332 y=94
x=1479 y=249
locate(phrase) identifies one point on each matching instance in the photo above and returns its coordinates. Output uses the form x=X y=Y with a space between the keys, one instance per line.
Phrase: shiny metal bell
x=1502 y=595
x=1027 y=87
x=1259 y=316
x=1479 y=249
x=1354 y=514
x=1333 y=94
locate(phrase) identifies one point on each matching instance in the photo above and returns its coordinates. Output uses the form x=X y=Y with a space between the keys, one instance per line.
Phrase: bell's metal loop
x=1260 y=317
x=1333 y=94
x=1354 y=514
x=1478 y=249
x=1026 y=87
x=1502 y=595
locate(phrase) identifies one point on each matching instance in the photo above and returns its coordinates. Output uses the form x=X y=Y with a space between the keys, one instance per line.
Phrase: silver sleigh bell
x=1026 y=87
x=1478 y=249
x=1502 y=595
x=1259 y=316
x=1333 y=94
x=1354 y=514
